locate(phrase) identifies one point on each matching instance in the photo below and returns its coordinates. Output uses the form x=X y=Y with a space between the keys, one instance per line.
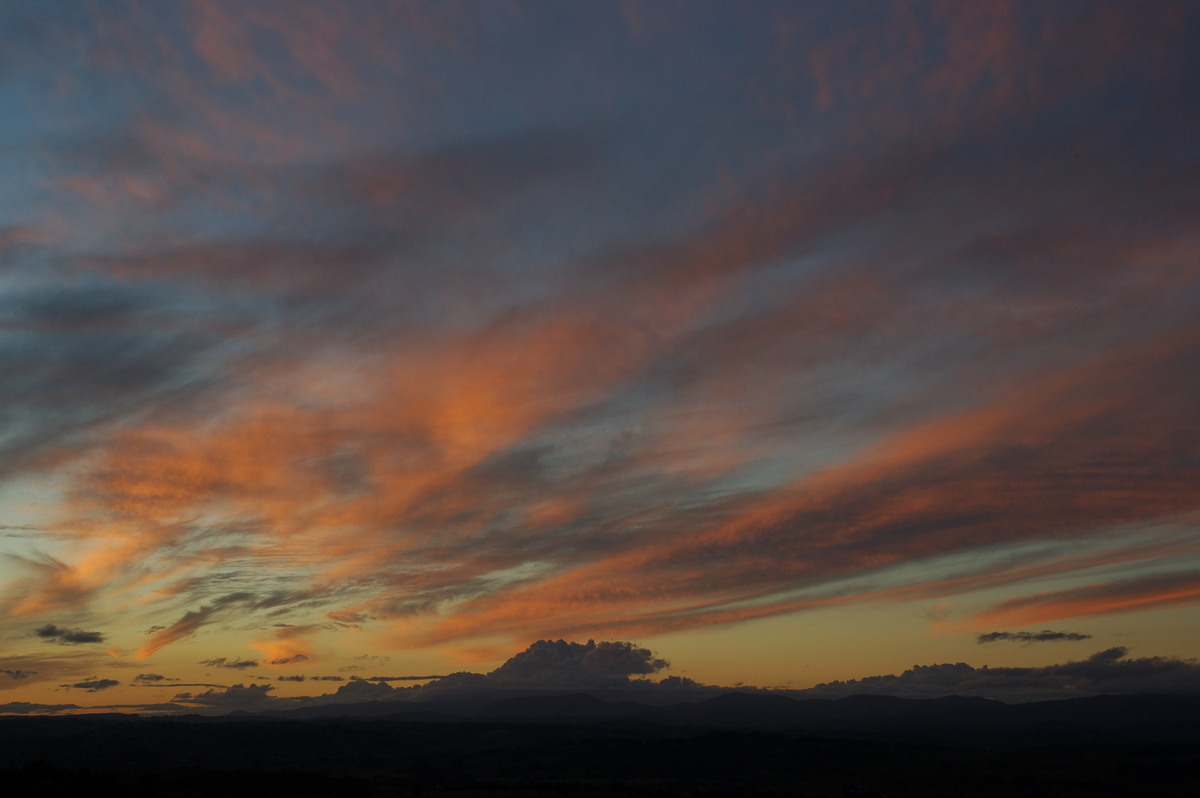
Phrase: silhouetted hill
x=750 y=744
x=571 y=707
x=393 y=710
x=945 y=721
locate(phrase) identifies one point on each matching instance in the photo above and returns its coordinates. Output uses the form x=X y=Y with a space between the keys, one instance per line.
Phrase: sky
x=794 y=343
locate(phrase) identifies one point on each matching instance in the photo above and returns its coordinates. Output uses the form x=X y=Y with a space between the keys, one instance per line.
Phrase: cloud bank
x=1108 y=671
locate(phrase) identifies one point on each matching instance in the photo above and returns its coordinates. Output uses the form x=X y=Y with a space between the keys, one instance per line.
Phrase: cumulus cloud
x=558 y=663
x=1107 y=671
x=1044 y=636
x=68 y=636
x=363 y=690
x=223 y=662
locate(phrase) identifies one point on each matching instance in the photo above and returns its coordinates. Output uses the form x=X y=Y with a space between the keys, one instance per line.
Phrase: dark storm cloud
x=94 y=685
x=68 y=636
x=1107 y=671
x=1044 y=636
x=223 y=662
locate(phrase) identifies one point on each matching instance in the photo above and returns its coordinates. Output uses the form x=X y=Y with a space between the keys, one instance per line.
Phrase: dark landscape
x=577 y=744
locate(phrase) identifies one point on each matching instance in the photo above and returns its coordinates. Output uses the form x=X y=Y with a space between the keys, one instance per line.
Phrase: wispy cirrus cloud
x=1166 y=589
x=333 y=337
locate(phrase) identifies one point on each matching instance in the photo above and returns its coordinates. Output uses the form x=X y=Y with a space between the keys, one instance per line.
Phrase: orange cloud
x=191 y=622
x=1162 y=590
x=287 y=648
x=1025 y=467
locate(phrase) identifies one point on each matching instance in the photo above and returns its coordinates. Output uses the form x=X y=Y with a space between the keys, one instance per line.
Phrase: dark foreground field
x=398 y=756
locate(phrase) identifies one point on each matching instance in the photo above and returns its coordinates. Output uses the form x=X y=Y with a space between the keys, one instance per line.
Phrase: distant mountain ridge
x=951 y=720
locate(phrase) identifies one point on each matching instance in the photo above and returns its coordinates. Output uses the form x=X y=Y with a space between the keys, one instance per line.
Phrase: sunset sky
x=791 y=341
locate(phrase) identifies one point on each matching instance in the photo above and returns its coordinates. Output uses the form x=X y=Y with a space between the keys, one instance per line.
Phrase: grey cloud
x=94 y=685
x=69 y=309
x=68 y=636
x=297 y=678
x=329 y=678
x=1044 y=636
x=18 y=674
x=223 y=662
x=150 y=677
x=363 y=690
x=287 y=660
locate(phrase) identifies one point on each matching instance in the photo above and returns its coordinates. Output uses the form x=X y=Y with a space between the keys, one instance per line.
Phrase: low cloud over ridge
x=1105 y=671
x=558 y=663
x=236 y=696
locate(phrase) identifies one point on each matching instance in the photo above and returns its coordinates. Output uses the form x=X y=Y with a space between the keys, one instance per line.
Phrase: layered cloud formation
x=331 y=331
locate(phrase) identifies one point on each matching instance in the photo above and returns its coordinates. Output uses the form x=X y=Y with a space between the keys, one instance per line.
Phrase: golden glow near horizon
x=793 y=344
